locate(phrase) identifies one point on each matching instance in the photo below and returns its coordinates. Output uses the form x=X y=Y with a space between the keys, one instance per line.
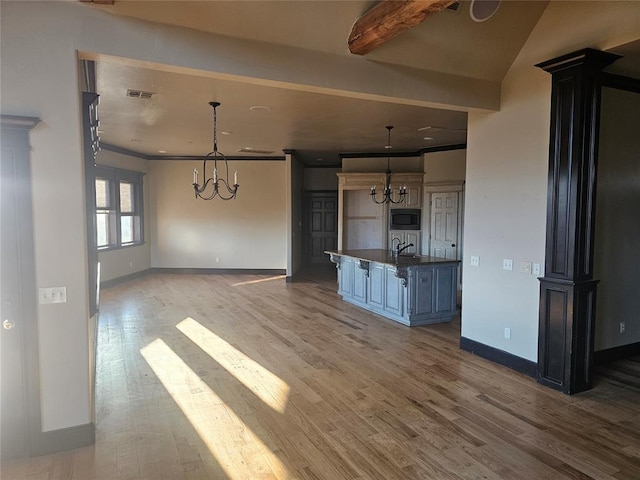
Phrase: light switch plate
x=536 y=269
x=507 y=264
x=52 y=295
x=475 y=261
x=525 y=267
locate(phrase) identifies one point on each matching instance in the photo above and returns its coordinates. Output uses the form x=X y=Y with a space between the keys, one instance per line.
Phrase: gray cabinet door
x=376 y=285
x=445 y=288
x=345 y=286
x=423 y=291
x=360 y=281
x=393 y=291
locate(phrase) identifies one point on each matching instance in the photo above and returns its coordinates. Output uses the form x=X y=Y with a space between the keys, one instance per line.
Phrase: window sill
x=119 y=247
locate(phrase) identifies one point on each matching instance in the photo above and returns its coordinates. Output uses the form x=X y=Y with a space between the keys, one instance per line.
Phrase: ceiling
x=177 y=120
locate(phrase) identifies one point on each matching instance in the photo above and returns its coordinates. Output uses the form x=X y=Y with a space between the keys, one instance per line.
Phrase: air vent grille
x=139 y=94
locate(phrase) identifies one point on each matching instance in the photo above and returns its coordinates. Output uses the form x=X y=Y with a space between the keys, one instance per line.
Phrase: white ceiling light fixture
x=231 y=190
x=260 y=108
x=483 y=10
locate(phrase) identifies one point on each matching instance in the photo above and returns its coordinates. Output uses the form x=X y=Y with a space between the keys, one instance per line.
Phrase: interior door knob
x=453 y=244
x=8 y=324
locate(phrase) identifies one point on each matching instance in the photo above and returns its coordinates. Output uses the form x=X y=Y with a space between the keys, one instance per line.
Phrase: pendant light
x=228 y=191
x=387 y=196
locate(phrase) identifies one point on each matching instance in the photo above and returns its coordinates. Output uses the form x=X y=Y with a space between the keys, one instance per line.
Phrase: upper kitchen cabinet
x=413 y=182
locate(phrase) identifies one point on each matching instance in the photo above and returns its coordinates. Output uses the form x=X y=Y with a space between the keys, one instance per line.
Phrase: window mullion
x=116 y=207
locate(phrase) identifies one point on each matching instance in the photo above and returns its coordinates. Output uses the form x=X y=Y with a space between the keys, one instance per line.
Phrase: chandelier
x=387 y=196
x=228 y=191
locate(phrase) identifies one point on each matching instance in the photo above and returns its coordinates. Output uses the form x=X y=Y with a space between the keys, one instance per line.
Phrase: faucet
x=395 y=249
x=400 y=250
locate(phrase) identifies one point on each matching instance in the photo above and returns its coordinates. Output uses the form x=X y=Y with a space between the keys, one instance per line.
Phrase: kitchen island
x=410 y=289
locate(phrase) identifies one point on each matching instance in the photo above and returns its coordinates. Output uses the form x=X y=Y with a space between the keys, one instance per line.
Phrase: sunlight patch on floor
x=239 y=452
x=268 y=387
x=249 y=282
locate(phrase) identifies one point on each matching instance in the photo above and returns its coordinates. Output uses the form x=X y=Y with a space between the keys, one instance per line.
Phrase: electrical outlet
x=536 y=269
x=525 y=267
x=621 y=327
x=507 y=333
x=475 y=261
x=507 y=264
x=217 y=260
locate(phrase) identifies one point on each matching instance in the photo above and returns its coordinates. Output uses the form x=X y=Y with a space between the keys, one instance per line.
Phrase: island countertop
x=388 y=258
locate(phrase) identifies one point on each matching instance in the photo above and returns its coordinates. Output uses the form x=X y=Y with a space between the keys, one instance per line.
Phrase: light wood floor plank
x=249 y=377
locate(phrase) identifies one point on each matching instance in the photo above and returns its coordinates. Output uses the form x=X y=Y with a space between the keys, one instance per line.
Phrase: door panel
x=321 y=232
x=17 y=280
x=13 y=398
x=444 y=225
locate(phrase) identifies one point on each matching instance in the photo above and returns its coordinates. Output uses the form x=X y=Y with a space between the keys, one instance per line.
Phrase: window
x=118 y=207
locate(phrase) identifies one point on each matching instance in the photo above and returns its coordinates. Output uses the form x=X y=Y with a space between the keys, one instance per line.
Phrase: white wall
x=125 y=261
x=617 y=242
x=447 y=166
x=247 y=232
x=506 y=182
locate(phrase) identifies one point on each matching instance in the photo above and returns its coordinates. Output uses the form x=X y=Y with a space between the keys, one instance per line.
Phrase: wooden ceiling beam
x=388 y=19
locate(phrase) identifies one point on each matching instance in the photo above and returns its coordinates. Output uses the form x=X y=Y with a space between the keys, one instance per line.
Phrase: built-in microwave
x=404 y=219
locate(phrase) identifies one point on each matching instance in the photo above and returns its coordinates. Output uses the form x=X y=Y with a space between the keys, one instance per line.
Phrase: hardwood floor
x=250 y=377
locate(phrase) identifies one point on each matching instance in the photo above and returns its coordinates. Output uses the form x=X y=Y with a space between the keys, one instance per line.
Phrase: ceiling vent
x=256 y=150
x=139 y=94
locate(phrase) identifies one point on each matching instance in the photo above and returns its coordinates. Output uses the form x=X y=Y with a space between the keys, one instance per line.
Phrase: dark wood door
x=321 y=229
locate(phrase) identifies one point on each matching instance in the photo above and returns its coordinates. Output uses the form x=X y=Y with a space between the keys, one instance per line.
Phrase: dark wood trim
x=621 y=82
x=192 y=271
x=324 y=165
x=416 y=153
x=379 y=154
x=125 y=278
x=568 y=290
x=443 y=148
x=616 y=353
x=519 y=364
x=64 y=439
x=144 y=156
x=222 y=271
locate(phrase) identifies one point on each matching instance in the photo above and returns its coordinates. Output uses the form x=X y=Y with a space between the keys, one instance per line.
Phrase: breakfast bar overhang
x=410 y=289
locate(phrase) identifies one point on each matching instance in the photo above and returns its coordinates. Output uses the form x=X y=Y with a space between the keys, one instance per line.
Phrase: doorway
x=444 y=217
x=18 y=335
x=617 y=226
x=320 y=226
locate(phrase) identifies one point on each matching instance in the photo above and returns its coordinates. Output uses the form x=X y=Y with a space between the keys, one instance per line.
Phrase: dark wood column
x=568 y=289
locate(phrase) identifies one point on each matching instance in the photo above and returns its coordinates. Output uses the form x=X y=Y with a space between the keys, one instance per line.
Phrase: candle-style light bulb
x=215 y=175
x=195 y=176
x=235 y=178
